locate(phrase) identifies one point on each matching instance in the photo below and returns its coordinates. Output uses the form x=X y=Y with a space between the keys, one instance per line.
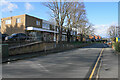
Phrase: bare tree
x=112 y=31
x=89 y=29
x=76 y=17
x=73 y=14
x=59 y=10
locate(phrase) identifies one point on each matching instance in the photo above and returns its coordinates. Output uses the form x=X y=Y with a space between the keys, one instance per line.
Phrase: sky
x=101 y=14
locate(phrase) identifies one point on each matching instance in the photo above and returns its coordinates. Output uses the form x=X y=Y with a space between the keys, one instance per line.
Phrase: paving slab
x=109 y=66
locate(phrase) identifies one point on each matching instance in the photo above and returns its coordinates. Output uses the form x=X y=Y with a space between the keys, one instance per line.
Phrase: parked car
x=17 y=37
x=97 y=39
x=3 y=36
x=87 y=40
x=93 y=40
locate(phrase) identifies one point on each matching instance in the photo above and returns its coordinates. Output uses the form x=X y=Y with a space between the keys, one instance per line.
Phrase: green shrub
x=116 y=46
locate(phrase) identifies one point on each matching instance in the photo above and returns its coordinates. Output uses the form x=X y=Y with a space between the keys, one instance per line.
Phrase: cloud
x=28 y=6
x=7 y=6
x=102 y=29
x=114 y=23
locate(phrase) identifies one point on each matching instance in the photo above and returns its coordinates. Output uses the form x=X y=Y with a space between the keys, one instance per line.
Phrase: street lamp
x=117 y=29
x=11 y=19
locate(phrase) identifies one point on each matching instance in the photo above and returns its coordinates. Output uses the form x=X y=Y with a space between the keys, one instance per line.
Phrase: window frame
x=18 y=20
x=37 y=22
x=46 y=26
x=7 y=21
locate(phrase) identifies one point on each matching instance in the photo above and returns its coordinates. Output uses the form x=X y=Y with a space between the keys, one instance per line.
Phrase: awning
x=40 y=29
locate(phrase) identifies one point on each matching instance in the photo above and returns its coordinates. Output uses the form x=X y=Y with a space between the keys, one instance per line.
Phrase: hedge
x=116 y=46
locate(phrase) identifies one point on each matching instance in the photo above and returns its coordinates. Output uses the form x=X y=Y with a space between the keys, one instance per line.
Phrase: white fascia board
x=29 y=28
x=40 y=29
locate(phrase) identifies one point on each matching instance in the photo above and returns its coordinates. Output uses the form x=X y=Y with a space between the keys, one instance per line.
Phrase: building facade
x=14 y=24
x=36 y=28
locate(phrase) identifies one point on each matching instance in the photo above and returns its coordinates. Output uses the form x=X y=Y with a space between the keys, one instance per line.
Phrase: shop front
x=39 y=34
x=64 y=36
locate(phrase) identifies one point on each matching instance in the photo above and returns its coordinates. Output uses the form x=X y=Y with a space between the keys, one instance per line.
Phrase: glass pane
x=18 y=20
x=8 y=22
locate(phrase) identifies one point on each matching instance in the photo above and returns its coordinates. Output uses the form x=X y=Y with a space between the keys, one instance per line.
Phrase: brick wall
x=13 y=27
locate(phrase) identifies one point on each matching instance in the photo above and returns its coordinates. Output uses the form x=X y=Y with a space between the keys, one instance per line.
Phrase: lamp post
x=117 y=29
x=11 y=20
x=55 y=30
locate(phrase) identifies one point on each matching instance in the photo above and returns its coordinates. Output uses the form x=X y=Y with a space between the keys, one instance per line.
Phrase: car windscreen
x=14 y=35
x=23 y=34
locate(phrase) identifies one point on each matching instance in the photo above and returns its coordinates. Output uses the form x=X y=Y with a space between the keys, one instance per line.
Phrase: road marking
x=37 y=66
x=43 y=68
x=91 y=75
x=98 y=71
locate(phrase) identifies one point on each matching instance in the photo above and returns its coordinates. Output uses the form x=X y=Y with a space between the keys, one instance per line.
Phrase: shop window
x=63 y=38
x=57 y=30
x=53 y=27
x=46 y=26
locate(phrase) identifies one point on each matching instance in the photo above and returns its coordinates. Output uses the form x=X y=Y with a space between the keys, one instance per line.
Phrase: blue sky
x=101 y=14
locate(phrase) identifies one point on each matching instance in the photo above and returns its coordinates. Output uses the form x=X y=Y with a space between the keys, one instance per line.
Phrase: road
x=69 y=64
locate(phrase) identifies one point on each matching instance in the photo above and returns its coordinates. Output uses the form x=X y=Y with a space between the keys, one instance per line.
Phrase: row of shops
x=37 y=29
x=40 y=30
x=39 y=34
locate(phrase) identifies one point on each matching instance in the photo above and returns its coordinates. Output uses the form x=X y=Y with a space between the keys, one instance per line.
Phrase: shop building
x=36 y=28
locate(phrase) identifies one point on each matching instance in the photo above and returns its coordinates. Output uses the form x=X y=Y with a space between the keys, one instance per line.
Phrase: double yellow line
x=91 y=75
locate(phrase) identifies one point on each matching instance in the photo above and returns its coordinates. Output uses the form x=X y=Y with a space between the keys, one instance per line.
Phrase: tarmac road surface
x=69 y=64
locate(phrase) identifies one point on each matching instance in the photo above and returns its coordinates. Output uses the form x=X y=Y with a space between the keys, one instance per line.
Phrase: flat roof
x=13 y=16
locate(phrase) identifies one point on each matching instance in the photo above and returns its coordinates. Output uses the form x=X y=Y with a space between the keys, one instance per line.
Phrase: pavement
x=109 y=66
x=69 y=64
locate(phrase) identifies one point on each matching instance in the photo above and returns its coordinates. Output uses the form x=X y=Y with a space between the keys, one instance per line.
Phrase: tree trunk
x=60 y=34
x=68 y=35
x=81 y=39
